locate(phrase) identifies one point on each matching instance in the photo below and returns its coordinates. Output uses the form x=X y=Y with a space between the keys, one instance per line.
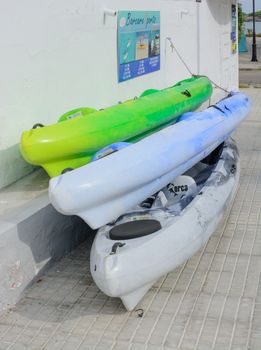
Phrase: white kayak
x=103 y=190
x=127 y=258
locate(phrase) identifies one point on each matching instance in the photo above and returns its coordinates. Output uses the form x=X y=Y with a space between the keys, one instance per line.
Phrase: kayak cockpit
x=159 y=210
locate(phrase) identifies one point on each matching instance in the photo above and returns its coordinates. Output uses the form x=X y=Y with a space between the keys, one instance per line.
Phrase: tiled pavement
x=211 y=302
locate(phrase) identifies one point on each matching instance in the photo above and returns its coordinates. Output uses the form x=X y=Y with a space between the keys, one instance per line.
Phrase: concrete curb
x=32 y=236
x=250 y=69
x=249 y=86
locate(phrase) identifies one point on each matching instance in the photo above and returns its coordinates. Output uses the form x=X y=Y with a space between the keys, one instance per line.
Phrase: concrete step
x=32 y=235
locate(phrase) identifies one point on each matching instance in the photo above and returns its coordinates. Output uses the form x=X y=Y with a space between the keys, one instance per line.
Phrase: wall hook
x=108 y=12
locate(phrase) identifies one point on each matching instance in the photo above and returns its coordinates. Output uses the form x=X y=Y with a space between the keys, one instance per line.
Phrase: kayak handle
x=116 y=246
x=186 y=93
x=227 y=108
x=233 y=169
x=140 y=312
x=66 y=170
x=38 y=125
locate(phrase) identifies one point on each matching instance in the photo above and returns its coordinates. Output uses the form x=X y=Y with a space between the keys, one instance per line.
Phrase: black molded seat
x=214 y=156
x=203 y=175
x=134 y=229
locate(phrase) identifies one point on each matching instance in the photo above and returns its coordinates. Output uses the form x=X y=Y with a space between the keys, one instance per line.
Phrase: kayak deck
x=72 y=142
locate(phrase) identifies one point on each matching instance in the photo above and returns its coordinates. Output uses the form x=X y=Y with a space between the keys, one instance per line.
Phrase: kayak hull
x=139 y=262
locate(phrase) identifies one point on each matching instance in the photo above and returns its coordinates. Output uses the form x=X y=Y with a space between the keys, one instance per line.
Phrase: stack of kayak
x=105 y=189
x=154 y=175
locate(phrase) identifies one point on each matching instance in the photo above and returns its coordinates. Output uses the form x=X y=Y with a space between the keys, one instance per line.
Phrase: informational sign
x=234 y=29
x=138 y=43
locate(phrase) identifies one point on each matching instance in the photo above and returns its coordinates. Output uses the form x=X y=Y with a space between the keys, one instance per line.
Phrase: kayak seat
x=202 y=176
x=214 y=156
x=134 y=229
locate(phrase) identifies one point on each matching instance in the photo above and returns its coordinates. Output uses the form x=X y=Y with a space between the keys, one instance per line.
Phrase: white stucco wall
x=59 y=55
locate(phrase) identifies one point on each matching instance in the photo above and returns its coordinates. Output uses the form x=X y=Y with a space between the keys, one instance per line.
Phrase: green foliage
x=241 y=18
x=258 y=14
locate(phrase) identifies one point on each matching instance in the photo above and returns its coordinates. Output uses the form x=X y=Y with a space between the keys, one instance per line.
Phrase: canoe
x=101 y=191
x=72 y=142
x=128 y=257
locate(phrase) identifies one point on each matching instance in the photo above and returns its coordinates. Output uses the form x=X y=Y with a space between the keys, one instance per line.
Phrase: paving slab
x=213 y=301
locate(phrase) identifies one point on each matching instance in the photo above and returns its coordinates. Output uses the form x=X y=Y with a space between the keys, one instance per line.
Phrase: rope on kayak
x=216 y=85
x=216 y=107
x=173 y=48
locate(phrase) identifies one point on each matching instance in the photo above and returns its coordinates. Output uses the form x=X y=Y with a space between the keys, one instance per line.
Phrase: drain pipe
x=198 y=36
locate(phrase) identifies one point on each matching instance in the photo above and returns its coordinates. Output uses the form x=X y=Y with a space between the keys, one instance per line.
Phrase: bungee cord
x=173 y=48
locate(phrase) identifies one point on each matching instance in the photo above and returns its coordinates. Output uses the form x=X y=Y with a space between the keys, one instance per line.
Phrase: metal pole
x=254 y=56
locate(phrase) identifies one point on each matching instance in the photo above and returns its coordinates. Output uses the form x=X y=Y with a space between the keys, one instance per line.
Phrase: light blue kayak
x=101 y=191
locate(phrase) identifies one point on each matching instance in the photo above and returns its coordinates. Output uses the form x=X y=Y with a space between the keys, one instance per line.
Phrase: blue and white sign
x=138 y=43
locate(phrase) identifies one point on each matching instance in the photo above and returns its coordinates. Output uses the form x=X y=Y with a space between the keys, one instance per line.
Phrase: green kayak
x=80 y=133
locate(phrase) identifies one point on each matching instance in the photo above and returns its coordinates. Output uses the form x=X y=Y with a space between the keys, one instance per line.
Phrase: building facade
x=60 y=55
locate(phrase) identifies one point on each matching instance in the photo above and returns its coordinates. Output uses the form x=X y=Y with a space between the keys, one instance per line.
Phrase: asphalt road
x=251 y=77
x=250 y=72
